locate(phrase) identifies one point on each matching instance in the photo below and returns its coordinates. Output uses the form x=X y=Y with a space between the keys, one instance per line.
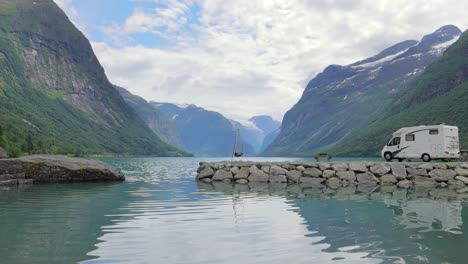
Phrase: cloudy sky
x=245 y=57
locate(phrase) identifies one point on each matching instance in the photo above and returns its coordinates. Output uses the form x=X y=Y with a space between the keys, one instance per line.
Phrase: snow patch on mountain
x=378 y=62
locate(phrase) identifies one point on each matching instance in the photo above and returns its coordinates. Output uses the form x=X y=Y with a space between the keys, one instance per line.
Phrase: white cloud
x=245 y=58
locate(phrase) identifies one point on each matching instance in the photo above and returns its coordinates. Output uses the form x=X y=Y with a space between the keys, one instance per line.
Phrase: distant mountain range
x=343 y=100
x=203 y=132
x=54 y=94
x=259 y=132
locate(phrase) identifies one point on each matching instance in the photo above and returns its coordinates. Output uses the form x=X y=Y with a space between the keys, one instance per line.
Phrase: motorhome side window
x=410 y=137
x=433 y=131
x=394 y=142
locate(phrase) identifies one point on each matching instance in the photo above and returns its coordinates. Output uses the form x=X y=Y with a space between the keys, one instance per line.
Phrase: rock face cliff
x=204 y=132
x=55 y=96
x=342 y=99
x=439 y=95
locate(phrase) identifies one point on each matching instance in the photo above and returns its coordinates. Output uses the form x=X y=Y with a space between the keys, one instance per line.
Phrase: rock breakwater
x=338 y=174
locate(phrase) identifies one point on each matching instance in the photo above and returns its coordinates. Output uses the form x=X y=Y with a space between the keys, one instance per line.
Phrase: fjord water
x=162 y=215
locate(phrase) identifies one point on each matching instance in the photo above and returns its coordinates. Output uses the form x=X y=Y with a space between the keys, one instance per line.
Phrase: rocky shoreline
x=54 y=169
x=335 y=175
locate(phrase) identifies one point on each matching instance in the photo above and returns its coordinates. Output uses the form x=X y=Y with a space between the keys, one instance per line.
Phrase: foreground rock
x=340 y=174
x=55 y=169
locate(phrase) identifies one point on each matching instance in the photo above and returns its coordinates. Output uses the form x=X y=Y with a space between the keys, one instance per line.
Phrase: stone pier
x=335 y=175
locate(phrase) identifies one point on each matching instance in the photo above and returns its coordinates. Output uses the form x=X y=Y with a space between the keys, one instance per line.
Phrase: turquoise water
x=162 y=215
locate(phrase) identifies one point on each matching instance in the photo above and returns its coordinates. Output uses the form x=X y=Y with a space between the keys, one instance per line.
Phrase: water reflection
x=162 y=215
x=394 y=225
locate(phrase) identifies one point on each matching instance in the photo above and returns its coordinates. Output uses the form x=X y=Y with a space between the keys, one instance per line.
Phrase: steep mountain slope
x=153 y=117
x=343 y=98
x=256 y=133
x=203 y=132
x=55 y=97
x=439 y=95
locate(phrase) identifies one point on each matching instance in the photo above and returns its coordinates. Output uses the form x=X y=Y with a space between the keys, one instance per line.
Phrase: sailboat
x=235 y=152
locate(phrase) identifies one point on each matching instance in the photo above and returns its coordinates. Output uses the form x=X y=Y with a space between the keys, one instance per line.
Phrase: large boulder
x=328 y=173
x=358 y=167
x=349 y=176
x=441 y=175
x=462 y=172
x=243 y=173
x=399 y=171
x=380 y=169
x=278 y=178
x=221 y=175
x=312 y=172
x=462 y=179
x=294 y=176
x=405 y=184
x=333 y=183
x=259 y=176
x=57 y=168
x=207 y=172
x=3 y=154
x=340 y=167
x=367 y=178
x=416 y=172
x=388 y=179
x=277 y=170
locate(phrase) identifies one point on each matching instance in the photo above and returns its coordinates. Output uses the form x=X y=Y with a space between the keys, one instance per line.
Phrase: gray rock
x=349 y=176
x=243 y=173
x=259 y=176
x=207 y=180
x=440 y=175
x=388 y=180
x=441 y=166
x=294 y=175
x=323 y=165
x=266 y=169
x=421 y=181
x=300 y=168
x=276 y=170
x=462 y=172
x=339 y=166
x=357 y=167
x=405 y=184
x=452 y=165
x=456 y=184
x=207 y=172
x=464 y=165
x=367 y=178
x=3 y=154
x=312 y=172
x=278 y=178
x=227 y=180
x=462 y=179
x=442 y=184
x=253 y=169
x=312 y=181
x=426 y=166
x=242 y=181
x=221 y=175
x=333 y=183
x=380 y=169
x=234 y=170
x=416 y=172
x=328 y=173
x=399 y=171
x=60 y=169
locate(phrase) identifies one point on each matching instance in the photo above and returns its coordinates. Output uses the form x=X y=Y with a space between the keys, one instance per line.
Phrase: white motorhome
x=423 y=142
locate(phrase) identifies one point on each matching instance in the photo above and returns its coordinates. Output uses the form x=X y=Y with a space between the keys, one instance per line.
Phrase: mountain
x=153 y=117
x=54 y=94
x=439 y=95
x=257 y=131
x=203 y=132
x=342 y=99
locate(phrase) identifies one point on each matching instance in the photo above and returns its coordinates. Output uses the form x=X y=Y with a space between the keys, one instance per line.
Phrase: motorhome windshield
x=394 y=141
